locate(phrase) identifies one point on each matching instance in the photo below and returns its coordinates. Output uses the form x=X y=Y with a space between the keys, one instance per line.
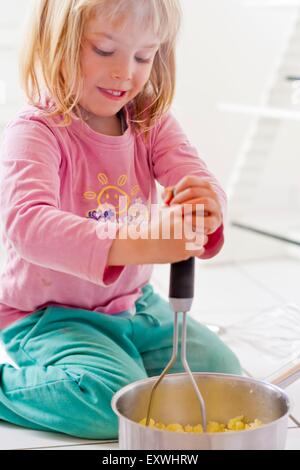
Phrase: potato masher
x=181 y=293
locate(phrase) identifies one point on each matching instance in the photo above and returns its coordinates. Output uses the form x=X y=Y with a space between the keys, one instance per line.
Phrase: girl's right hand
x=159 y=250
x=172 y=250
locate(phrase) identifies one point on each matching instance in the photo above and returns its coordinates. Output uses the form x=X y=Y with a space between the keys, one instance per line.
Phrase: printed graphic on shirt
x=115 y=204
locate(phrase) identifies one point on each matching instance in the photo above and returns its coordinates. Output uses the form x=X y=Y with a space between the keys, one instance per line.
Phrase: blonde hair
x=51 y=58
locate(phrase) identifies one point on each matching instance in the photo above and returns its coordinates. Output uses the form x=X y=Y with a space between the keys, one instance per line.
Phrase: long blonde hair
x=51 y=58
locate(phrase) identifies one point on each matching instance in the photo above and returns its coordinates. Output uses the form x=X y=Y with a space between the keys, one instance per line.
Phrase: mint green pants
x=72 y=361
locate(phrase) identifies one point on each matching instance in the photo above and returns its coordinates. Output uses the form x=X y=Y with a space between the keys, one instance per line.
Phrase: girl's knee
x=206 y=352
x=217 y=357
x=92 y=416
x=91 y=423
x=223 y=360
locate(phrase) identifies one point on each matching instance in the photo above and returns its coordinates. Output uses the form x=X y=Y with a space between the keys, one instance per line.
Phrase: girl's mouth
x=112 y=94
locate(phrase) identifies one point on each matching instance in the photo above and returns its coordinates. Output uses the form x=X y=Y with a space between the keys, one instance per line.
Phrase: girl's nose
x=121 y=76
x=123 y=72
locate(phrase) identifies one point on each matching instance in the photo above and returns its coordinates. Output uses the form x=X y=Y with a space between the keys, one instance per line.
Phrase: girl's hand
x=194 y=190
x=164 y=248
x=173 y=249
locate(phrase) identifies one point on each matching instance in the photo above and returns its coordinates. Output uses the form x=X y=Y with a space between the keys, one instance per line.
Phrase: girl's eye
x=103 y=53
x=143 y=61
x=107 y=54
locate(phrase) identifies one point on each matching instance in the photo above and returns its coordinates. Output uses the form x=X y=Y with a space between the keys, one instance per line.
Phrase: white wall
x=227 y=52
x=12 y=14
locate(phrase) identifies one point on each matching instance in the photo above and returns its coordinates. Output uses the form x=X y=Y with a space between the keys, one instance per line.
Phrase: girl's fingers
x=191 y=181
x=167 y=195
x=208 y=225
x=166 y=190
x=208 y=221
x=210 y=206
x=211 y=224
x=192 y=195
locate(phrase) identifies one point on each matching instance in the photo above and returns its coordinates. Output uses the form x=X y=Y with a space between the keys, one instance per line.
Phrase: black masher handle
x=182 y=275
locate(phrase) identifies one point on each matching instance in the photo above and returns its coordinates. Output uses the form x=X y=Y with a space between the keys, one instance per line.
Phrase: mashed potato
x=235 y=424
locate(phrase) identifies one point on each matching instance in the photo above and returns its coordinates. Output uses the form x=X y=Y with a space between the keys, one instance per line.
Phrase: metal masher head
x=181 y=293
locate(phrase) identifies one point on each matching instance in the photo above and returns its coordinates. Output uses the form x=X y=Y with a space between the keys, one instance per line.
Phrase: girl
x=77 y=312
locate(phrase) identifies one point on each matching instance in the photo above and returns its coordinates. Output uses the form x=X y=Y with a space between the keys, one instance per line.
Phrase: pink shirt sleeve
x=39 y=230
x=173 y=157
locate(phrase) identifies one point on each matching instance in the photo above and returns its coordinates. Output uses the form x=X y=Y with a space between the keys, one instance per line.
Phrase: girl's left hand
x=194 y=190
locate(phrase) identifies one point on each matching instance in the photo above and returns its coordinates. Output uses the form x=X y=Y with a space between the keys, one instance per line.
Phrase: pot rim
x=241 y=378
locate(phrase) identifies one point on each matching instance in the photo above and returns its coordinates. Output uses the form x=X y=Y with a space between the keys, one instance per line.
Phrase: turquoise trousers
x=72 y=361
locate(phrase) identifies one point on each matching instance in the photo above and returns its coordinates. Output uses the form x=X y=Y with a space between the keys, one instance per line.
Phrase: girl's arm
x=32 y=219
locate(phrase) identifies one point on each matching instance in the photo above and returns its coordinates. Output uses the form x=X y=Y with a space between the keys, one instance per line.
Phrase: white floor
x=225 y=295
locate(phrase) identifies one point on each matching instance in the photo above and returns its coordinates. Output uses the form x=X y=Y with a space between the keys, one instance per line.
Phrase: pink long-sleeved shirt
x=57 y=185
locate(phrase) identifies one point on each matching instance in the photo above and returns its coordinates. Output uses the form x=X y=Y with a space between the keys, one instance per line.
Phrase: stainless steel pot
x=226 y=396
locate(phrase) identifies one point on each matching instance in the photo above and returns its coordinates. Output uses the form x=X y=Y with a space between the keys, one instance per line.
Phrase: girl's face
x=115 y=58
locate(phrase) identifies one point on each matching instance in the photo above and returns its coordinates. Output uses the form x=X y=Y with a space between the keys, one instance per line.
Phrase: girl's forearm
x=129 y=251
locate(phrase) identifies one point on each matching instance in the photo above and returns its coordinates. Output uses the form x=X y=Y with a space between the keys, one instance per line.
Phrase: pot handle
x=287 y=375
